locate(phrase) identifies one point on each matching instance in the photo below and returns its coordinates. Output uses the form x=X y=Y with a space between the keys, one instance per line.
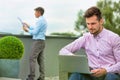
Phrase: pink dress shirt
x=103 y=50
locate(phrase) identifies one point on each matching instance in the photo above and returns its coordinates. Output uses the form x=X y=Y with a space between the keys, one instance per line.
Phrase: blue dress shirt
x=38 y=31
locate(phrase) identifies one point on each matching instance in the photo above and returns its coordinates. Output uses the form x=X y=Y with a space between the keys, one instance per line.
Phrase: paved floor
x=47 y=78
x=52 y=78
x=4 y=78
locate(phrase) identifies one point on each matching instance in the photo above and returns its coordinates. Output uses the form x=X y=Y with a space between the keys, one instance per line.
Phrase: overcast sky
x=60 y=14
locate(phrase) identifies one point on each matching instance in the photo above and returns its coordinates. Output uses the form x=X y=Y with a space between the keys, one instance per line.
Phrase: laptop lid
x=74 y=63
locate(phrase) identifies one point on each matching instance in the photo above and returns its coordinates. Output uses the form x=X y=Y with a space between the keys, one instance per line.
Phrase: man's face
x=94 y=25
x=37 y=14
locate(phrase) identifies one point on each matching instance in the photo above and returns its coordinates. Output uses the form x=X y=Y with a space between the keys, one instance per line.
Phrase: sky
x=60 y=14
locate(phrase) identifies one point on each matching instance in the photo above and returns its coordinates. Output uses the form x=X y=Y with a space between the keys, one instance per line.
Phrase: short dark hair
x=40 y=9
x=93 y=11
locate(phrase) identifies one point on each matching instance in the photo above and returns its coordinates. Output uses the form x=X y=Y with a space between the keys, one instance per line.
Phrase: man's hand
x=25 y=28
x=99 y=72
x=25 y=25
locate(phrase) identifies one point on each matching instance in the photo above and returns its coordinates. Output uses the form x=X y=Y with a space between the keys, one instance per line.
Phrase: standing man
x=38 y=32
x=102 y=48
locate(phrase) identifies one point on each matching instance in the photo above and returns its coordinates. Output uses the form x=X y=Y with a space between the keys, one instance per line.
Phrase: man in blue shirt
x=38 y=32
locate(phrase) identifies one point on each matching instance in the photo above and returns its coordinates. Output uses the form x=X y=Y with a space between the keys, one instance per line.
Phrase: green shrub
x=11 y=48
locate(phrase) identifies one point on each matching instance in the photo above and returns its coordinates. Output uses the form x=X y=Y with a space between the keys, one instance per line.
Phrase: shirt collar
x=101 y=34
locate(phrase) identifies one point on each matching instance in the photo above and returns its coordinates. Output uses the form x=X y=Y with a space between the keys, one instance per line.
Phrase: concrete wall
x=53 y=45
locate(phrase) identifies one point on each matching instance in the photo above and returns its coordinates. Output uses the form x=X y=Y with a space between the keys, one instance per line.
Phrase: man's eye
x=92 y=23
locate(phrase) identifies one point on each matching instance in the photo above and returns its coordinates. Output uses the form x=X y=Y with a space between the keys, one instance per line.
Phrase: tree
x=64 y=34
x=80 y=25
x=111 y=13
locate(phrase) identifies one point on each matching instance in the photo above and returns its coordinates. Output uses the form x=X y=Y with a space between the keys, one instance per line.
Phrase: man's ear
x=101 y=21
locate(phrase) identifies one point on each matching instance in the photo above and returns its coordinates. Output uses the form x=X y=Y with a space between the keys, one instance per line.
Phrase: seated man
x=102 y=48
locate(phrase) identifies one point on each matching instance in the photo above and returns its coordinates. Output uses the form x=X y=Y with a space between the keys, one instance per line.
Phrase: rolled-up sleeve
x=35 y=29
x=71 y=48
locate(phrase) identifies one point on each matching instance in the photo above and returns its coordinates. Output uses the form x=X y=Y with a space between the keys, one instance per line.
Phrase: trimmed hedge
x=11 y=48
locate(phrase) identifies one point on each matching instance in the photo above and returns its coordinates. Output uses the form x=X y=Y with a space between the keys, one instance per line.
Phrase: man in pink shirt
x=102 y=48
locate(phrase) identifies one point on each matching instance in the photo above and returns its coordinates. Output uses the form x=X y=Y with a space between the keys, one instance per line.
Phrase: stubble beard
x=95 y=32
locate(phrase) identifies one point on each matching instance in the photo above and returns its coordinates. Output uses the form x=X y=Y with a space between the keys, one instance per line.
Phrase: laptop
x=74 y=63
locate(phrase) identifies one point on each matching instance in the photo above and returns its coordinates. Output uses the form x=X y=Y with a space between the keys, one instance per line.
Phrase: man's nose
x=90 y=26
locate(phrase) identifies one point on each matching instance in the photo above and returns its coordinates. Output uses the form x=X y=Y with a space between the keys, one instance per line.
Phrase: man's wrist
x=104 y=70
